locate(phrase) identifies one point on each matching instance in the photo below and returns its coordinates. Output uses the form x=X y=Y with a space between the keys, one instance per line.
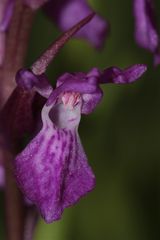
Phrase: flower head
x=52 y=171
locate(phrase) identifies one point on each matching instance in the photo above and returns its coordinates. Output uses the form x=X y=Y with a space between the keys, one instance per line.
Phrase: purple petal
x=146 y=33
x=118 y=76
x=73 y=84
x=27 y=80
x=35 y=4
x=90 y=99
x=67 y=12
x=79 y=178
x=52 y=171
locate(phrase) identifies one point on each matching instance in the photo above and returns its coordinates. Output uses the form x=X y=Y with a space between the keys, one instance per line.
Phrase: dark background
x=121 y=137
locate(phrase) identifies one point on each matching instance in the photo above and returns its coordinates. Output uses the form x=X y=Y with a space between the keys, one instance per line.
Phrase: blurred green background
x=121 y=138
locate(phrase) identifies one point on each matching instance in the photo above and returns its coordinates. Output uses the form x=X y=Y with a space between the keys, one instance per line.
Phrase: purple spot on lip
x=64 y=145
x=72 y=119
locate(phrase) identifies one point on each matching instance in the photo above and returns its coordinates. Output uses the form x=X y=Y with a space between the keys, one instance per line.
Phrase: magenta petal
x=79 y=178
x=52 y=171
x=67 y=12
x=90 y=101
x=91 y=92
x=119 y=76
x=28 y=81
x=73 y=84
x=146 y=33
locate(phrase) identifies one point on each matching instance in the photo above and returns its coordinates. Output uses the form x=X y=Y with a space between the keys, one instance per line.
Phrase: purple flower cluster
x=52 y=170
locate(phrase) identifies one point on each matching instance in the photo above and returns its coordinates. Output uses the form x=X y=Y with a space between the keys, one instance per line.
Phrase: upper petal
x=122 y=76
x=67 y=12
x=73 y=83
x=91 y=92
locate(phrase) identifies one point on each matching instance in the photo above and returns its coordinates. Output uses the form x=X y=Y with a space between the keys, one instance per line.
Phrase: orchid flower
x=52 y=170
x=146 y=31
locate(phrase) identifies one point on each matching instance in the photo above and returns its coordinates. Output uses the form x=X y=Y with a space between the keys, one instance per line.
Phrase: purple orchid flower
x=146 y=32
x=52 y=171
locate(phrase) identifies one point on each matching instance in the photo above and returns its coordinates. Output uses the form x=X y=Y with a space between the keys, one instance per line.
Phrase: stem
x=16 y=46
x=30 y=223
x=13 y=201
